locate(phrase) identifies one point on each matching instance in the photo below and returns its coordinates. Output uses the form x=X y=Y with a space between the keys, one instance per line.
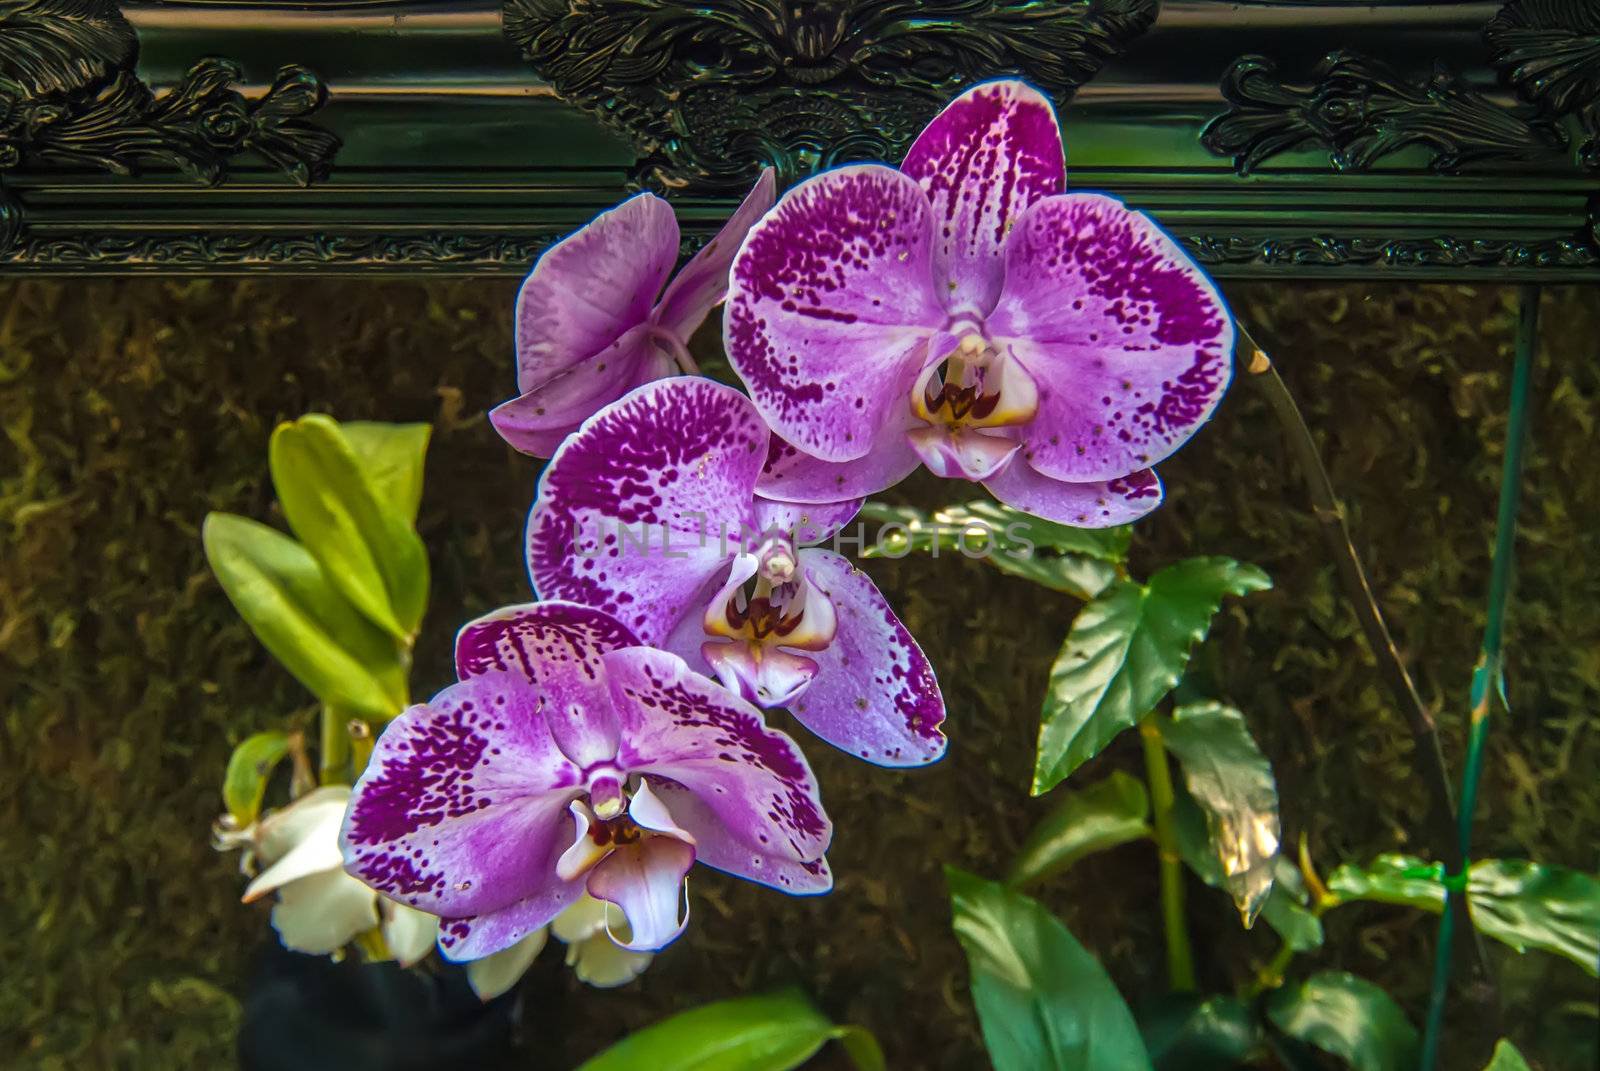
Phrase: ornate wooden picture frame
x=1276 y=139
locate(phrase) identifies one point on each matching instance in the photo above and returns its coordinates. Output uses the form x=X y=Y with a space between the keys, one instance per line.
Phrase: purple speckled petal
x=537 y=421
x=631 y=510
x=716 y=847
x=463 y=807
x=991 y=153
x=679 y=725
x=703 y=282
x=593 y=285
x=646 y=880
x=474 y=937
x=555 y=646
x=806 y=522
x=830 y=308
x=874 y=694
x=1128 y=341
x=771 y=680
x=798 y=477
x=1084 y=505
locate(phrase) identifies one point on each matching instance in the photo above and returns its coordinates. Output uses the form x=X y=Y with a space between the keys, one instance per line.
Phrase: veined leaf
x=249 y=769
x=368 y=549
x=766 y=1033
x=1043 y=1001
x=1506 y=1058
x=1522 y=904
x=391 y=457
x=1087 y=820
x=1348 y=1017
x=1126 y=650
x=1076 y=561
x=286 y=599
x=1231 y=780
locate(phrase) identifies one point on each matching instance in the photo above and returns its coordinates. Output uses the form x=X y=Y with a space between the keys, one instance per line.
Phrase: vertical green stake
x=1487 y=681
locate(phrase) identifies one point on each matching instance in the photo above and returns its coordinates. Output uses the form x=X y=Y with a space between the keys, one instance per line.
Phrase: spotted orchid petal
x=703 y=282
x=797 y=476
x=830 y=308
x=633 y=511
x=1126 y=338
x=645 y=880
x=462 y=808
x=716 y=846
x=991 y=153
x=805 y=522
x=680 y=726
x=556 y=646
x=767 y=677
x=464 y=940
x=1104 y=504
x=591 y=286
x=536 y=421
x=874 y=694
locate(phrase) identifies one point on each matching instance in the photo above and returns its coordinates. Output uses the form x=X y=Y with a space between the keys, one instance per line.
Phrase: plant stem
x=1180 y=956
x=1358 y=591
x=1487 y=678
x=334 y=755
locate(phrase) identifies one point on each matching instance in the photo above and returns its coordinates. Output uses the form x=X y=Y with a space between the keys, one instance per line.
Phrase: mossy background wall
x=132 y=408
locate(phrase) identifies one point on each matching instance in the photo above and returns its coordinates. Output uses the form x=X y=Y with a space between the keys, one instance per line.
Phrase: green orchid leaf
x=1188 y=1032
x=1126 y=650
x=1529 y=905
x=249 y=769
x=1078 y=562
x=1286 y=912
x=391 y=457
x=286 y=599
x=1043 y=1001
x=1506 y=1058
x=1231 y=780
x=1522 y=904
x=1347 y=1017
x=1085 y=821
x=366 y=546
x=764 y=1033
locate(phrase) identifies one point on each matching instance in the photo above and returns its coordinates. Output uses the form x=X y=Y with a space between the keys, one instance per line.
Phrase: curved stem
x=1486 y=675
x=1180 y=956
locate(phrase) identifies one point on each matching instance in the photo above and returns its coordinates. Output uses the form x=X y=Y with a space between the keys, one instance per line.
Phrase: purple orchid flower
x=570 y=759
x=590 y=326
x=650 y=512
x=965 y=313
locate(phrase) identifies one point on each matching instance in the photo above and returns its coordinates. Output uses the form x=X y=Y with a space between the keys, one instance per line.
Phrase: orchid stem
x=1486 y=675
x=1180 y=956
x=335 y=751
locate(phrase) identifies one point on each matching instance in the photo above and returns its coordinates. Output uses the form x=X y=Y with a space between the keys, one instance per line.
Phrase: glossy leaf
x=368 y=548
x=1085 y=821
x=249 y=769
x=286 y=599
x=1187 y=1032
x=1077 y=562
x=1506 y=1058
x=391 y=457
x=765 y=1033
x=1126 y=650
x=1348 y=1017
x=1231 y=780
x=1043 y=1001
x=1522 y=904
x=1286 y=911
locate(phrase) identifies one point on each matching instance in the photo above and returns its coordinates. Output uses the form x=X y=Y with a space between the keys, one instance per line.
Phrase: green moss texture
x=131 y=408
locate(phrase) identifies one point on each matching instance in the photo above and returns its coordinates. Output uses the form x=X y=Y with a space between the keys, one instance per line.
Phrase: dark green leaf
x=285 y=598
x=1525 y=905
x=1126 y=650
x=368 y=549
x=1285 y=909
x=1043 y=1001
x=1506 y=1058
x=249 y=768
x=767 y=1033
x=1348 y=1017
x=391 y=457
x=1231 y=780
x=1187 y=1032
x=1101 y=816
